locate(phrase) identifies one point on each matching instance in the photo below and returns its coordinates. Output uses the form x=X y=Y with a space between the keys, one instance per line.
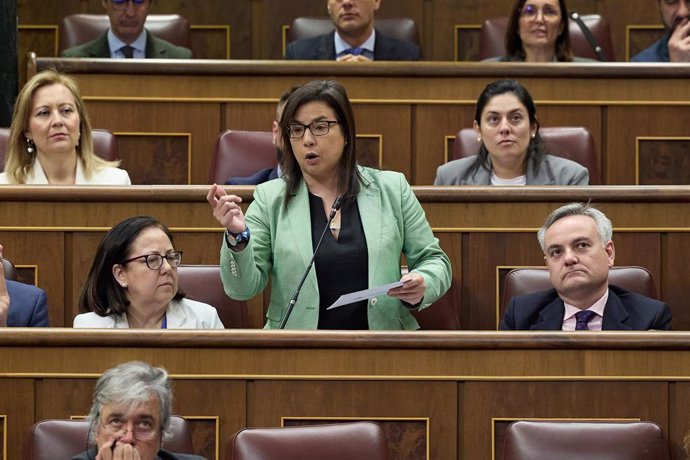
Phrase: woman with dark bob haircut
x=133 y=282
x=378 y=219
x=511 y=150
x=538 y=32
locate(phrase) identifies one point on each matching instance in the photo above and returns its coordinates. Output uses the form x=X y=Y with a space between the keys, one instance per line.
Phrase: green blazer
x=156 y=48
x=280 y=248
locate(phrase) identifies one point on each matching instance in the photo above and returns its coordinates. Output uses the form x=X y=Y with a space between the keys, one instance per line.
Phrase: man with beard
x=674 y=46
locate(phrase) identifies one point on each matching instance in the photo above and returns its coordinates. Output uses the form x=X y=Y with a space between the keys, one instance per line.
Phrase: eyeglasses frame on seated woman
x=155 y=261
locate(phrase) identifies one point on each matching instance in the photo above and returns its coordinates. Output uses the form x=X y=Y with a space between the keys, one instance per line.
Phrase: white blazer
x=105 y=176
x=183 y=314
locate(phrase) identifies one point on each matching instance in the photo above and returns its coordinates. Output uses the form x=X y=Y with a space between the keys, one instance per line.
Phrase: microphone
x=591 y=39
x=334 y=209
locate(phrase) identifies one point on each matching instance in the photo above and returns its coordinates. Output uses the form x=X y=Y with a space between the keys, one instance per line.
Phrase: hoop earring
x=29 y=146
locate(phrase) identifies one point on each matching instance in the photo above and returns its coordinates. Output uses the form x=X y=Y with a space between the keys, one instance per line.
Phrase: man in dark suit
x=674 y=46
x=127 y=37
x=578 y=250
x=267 y=174
x=21 y=305
x=354 y=38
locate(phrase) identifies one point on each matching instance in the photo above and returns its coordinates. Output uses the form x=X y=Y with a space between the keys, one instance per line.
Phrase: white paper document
x=366 y=294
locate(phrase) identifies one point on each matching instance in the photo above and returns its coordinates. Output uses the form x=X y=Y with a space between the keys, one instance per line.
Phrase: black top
x=342 y=266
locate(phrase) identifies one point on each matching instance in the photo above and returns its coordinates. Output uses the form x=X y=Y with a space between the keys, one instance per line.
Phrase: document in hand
x=366 y=294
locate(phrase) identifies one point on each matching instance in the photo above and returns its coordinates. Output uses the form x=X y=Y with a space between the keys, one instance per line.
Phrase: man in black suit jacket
x=21 y=305
x=127 y=36
x=354 y=39
x=578 y=250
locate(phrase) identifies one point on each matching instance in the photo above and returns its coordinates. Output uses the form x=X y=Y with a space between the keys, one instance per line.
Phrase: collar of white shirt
x=595 y=324
x=139 y=45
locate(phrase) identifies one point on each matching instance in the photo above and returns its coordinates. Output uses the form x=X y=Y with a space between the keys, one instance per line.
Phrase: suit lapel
x=299 y=219
x=326 y=47
x=615 y=314
x=551 y=317
x=100 y=48
x=369 y=203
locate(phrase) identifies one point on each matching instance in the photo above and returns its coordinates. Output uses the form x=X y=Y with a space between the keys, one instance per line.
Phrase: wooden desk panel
x=462 y=387
x=414 y=107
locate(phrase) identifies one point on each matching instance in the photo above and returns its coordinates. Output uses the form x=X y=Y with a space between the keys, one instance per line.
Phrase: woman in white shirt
x=133 y=282
x=50 y=138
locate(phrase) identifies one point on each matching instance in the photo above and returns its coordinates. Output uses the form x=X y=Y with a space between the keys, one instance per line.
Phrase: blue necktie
x=353 y=51
x=127 y=51
x=582 y=318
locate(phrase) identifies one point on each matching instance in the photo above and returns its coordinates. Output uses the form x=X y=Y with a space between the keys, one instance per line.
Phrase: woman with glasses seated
x=50 y=138
x=538 y=32
x=133 y=282
x=374 y=217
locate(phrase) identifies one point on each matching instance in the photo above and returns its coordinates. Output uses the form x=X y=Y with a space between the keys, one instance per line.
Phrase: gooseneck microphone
x=334 y=209
x=591 y=39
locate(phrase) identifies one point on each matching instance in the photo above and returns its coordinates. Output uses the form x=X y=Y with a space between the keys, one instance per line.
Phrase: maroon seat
x=76 y=29
x=575 y=143
x=521 y=281
x=241 y=153
x=400 y=28
x=528 y=440
x=202 y=283
x=338 y=441
x=104 y=145
x=63 y=439
x=493 y=32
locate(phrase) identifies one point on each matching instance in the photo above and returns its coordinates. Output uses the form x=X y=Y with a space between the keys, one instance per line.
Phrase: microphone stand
x=334 y=209
x=589 y=37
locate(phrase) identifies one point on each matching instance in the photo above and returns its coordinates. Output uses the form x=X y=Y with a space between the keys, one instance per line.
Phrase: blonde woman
x=50 y=138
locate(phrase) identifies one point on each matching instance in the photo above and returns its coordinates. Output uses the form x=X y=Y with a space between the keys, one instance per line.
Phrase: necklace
x=335 y=223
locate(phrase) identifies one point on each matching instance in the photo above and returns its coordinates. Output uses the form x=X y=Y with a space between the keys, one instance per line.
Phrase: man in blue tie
x=355 y=39
x=127 y=37
x=578 y=250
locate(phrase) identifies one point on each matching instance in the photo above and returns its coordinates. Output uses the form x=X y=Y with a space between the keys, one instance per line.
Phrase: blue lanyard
x=165 y=322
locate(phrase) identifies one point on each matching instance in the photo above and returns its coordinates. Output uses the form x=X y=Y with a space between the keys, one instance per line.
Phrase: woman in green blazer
x=380 y=219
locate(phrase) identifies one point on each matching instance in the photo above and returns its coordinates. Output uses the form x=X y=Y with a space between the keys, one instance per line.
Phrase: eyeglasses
x=531 y=12
x=142 y=430
x=317 y=128
x=155 y=261
x=121 y=4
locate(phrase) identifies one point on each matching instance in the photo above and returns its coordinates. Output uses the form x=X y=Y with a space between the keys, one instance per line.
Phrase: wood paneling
x=445 y=395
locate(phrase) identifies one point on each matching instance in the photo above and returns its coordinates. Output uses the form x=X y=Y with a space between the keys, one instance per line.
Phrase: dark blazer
x=255 y=179
x=28 y=305
x=322 y=48
x=162 y=455
x=156 y=48
x=624 y=311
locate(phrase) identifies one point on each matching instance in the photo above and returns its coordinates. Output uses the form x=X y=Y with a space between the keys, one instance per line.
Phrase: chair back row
x=58 y=439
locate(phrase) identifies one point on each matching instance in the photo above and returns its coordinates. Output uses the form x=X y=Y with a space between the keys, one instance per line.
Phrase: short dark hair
x=513 y=42
x=101 y=293
x=332 y=94
x=536 y=150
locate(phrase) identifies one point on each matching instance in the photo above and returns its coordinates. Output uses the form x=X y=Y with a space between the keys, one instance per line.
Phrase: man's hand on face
x=679 y=42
